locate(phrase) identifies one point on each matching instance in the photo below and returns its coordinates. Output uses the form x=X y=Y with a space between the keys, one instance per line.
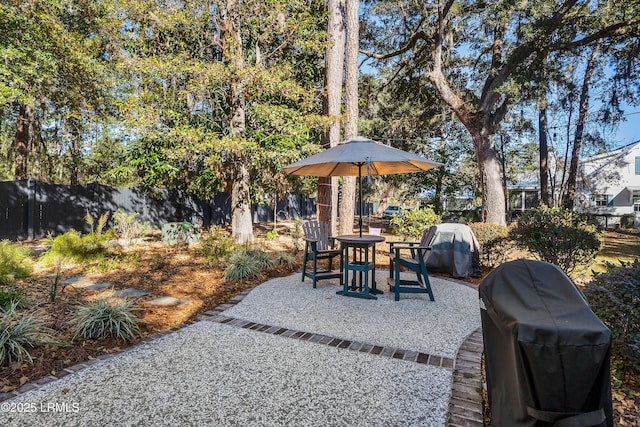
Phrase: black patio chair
x=319 y=245
x=415 y=262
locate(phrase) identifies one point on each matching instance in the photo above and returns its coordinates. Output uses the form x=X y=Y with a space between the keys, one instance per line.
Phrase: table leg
x=374 y=290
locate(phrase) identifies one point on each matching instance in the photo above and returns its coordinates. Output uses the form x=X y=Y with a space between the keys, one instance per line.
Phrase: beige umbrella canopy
x=349 y=157
x=357 y=156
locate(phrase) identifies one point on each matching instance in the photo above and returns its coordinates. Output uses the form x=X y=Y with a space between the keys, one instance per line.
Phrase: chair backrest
x=427 y=238
x=318 y=231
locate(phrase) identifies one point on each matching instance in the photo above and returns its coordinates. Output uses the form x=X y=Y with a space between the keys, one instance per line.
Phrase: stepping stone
x=129 y=293
x=95 y=286
x=167 y=301
x=74 y=280
x=39 y=250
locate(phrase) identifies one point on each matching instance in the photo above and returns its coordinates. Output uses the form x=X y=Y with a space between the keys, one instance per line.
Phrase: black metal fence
x=31 y=209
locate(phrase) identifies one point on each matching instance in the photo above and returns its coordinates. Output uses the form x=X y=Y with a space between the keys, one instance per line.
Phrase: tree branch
x=411 y=43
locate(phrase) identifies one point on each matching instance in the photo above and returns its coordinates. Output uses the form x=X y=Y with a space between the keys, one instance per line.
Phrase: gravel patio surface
x=219 y=374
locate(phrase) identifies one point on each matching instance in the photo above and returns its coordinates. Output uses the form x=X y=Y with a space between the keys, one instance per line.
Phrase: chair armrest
x=397 y=247
x=412 y=248
x=398 y=242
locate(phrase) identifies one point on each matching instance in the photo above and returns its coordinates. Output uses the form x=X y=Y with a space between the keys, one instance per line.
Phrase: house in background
x=609 y=185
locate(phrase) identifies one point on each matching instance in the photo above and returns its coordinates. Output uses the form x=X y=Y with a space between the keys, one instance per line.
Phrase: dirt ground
x=165 y=270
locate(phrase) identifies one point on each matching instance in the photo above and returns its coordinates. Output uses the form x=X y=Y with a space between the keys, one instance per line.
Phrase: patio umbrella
x=358 y=155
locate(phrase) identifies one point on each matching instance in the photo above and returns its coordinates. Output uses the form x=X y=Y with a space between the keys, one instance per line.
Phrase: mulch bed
x=160 y=270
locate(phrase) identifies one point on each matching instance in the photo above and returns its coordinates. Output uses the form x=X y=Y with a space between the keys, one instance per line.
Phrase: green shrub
x=494 y=242
x=128 y=225
x=19 y=333
x=12 y=297
x=285 y=258
x=559 y=236
x=215 y=244
x=272 y=235
x=106 y=319
x=14 y=262
x=116 y=261
x=181 y=233
x=628 y=220
x=243 y=264
x=412 y=223
x=615 y=298
x=73 y=246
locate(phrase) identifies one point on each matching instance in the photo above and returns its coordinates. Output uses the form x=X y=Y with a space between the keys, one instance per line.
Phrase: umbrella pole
x=360 y=197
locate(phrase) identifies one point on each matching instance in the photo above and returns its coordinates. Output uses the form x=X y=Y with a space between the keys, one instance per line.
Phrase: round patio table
x=359 y=265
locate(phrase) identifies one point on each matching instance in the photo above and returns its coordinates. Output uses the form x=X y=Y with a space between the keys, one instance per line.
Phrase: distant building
x=608 y=187
x=609 y=184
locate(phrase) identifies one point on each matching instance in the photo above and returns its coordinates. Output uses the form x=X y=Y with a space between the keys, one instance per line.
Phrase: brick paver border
x=465 y=406
x=391 y=352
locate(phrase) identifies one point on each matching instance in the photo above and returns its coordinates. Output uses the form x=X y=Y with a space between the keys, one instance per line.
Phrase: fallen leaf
x=65 y=390
x=23 y=380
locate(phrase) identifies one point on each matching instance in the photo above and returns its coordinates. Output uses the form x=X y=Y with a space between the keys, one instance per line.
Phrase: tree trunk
x=493 y=194
x=544 y=156
x=493 y=201
x=241 y=222
x=503 y=170
x=440 y=173
x=334 y=59
x=583 y=112
x=481 y=121
x=22 y=140
x=347 y=203
x=76 y=150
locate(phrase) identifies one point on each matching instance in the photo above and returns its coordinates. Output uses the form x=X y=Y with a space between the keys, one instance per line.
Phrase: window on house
x=636 y=201
x=637 y=165
x=601 y=200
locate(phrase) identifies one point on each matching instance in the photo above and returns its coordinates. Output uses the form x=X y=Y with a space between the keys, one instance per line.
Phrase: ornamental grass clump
x=14 y=262
x=103 y=318
x=266 y=260
x=559 y=236
x=76 y=247
x=244 y=264
x=19 y=334
x=286 y=259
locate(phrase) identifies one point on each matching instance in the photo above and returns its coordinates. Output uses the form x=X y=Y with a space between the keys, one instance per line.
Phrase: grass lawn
x=618 y=245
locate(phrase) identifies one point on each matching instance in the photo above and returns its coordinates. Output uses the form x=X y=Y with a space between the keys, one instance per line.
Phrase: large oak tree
x=481 y=57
